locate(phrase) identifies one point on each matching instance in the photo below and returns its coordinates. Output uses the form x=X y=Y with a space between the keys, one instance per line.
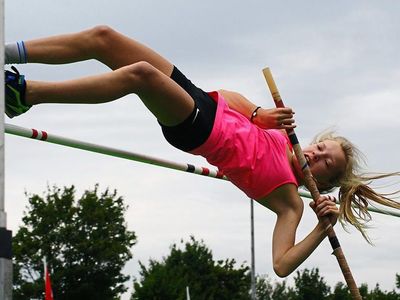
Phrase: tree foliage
x=192 y=267
x=378 y=294
x=86 y=243
x=342 y=292
x=308 y=284
x=266 y=290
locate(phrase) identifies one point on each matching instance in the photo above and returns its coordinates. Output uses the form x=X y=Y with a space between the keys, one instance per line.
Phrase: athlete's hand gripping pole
x=312 y=187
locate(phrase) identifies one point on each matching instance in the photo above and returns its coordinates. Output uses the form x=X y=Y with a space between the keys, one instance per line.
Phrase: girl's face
x=326 y=160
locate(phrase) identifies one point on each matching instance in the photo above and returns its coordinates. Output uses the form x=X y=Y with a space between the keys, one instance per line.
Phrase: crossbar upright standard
x=5 y=234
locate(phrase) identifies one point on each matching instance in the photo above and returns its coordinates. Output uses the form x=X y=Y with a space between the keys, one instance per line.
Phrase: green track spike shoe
x=15 y=86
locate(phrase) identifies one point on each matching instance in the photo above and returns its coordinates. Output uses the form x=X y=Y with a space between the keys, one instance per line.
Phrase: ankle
x=29 y=97
x=15 y=53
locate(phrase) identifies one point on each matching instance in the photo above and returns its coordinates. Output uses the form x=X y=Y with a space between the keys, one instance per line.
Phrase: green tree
x=264 y=288
x=283 y=292
x=194 y=267
x=378 y=294
x=341 y=292
x=86 y=243
x=364 y=291
x=309 y=285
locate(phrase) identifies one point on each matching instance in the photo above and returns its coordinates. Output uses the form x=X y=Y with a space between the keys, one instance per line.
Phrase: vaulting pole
x=312 y=187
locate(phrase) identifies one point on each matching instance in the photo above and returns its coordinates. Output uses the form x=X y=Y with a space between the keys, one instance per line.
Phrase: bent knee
x=101 y=36
x=142 y=70
x=142 y=73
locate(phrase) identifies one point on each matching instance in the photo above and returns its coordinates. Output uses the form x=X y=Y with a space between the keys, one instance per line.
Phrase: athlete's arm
x=287 y=255
x=274 y=118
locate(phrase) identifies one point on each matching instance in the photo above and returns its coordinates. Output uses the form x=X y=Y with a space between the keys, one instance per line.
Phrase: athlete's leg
x=168 y=102
x=101 y=43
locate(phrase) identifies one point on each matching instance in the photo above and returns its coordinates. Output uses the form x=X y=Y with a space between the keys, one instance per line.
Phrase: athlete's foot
x=15 y=87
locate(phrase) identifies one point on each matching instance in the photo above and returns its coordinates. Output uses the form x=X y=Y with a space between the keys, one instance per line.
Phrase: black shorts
x=195 y=130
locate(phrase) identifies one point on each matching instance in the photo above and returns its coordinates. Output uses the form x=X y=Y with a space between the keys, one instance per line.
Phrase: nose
x=315 y=156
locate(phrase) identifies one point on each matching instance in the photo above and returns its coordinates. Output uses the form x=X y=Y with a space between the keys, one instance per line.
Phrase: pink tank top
x=252 y=158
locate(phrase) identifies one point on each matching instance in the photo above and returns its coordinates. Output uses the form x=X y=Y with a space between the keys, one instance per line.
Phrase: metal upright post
x=253 y=271
x=5 y=235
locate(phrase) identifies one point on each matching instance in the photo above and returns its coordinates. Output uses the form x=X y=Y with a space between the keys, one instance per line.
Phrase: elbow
x=281 y=271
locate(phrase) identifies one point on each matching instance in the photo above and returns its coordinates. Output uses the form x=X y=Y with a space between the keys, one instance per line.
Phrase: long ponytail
x=355 y=195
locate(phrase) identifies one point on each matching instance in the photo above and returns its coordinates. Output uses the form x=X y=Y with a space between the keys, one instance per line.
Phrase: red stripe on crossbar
x=44 y=136
x=205 y=171
x=34 y=133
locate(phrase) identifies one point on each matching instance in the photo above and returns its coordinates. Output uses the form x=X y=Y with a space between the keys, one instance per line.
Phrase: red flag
x=48 y=291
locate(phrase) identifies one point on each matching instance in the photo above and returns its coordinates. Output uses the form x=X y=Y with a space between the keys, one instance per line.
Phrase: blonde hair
x=355 y=193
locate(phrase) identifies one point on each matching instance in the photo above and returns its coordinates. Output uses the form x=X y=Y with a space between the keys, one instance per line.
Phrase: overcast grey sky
x=335 y=62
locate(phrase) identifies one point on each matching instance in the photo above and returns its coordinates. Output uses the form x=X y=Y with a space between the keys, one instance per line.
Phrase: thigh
x=119 y=50
x=197 y=127
x=166 y=99
x=168 y=102
x=101 y=43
